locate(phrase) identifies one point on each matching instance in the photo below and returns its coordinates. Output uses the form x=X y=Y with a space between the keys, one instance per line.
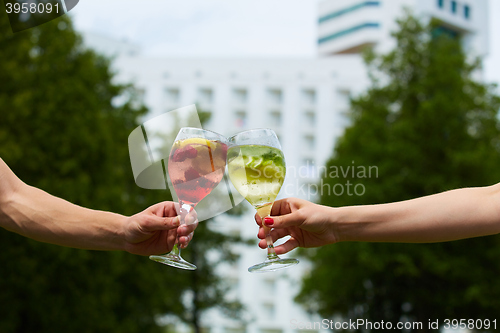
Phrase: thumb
x=154 y=223
x=284 y=221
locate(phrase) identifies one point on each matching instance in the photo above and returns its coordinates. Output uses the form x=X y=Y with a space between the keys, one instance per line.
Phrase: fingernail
x=268 y=221
x=176 y=221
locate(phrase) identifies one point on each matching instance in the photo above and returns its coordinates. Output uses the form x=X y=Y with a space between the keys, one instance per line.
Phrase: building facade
x=346 y=27
x=306 y=102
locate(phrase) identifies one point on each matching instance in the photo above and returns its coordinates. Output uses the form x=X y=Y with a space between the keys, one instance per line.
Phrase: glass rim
x=253 y=130
x=203 y=130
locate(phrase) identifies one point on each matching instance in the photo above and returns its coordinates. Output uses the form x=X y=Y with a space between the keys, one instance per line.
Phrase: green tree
x=427 y=126
x=60 y=131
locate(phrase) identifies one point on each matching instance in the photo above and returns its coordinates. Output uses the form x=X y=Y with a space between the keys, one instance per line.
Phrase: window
x=348 y=31
x=240 y=95
x=466 y=11
x=440 y=3
x=205 y=95
x=274 y=96
x=172 y=95
x=268 y=311
x=348 y=10
x=307 y=168
x=438 y=31
x=309 y=96
x=240 y=118
x=309 y=118
x=269 y=287
x=275 y=117
x=454 y=7
x=344 y=97
x=309 y=142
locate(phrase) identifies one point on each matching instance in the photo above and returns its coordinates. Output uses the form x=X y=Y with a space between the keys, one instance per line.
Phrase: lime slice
x=253 y=161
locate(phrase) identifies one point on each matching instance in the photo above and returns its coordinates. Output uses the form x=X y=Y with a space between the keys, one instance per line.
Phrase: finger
x=258 y=219
x=171 y=237
x=191 y=218
x=275 y=233
x=263 y=243
x=186 y=229
x=184 y=240
x=261 y=233
x=287 y=246
x=284 y=221
x=163 y=209
x=154 y=223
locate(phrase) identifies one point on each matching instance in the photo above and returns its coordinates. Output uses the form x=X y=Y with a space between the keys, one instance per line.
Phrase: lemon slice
x=197 y=141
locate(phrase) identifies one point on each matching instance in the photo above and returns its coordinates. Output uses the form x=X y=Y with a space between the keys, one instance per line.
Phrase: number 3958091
x=32 y=8
x=470 y=324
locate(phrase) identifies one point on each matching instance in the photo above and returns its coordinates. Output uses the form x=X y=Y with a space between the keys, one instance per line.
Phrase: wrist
x=11 y=216
x=328 y=218
x=117 y=229
x=344 y=229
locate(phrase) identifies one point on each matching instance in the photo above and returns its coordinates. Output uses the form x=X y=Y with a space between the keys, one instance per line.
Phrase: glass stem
x=176 y=251
x=264 y=211
x=184 y=210
x=271 y=253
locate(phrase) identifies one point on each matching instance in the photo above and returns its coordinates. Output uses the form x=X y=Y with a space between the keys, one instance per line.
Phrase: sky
x=226 y=28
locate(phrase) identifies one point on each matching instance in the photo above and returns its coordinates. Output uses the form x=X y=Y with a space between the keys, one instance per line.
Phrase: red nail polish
x=268 y=221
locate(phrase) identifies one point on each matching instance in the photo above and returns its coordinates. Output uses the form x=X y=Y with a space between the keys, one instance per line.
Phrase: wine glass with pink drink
x=196 y=166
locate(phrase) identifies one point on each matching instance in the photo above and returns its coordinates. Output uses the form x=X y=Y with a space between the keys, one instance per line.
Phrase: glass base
x=272 y=265
x=173 y=260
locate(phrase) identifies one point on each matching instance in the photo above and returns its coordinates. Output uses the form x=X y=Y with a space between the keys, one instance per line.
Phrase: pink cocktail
x=196 y=166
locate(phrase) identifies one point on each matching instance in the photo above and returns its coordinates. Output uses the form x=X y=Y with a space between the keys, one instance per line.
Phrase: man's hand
x=155 y=230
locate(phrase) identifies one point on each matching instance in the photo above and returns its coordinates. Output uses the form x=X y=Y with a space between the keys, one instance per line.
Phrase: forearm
x=447 y=216
x=36 y=214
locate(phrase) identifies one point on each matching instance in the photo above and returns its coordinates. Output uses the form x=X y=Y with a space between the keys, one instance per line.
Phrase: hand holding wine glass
x=196 y=166
x=308 y=225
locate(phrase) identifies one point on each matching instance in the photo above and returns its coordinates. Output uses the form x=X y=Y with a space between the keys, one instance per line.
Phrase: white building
x=346 y=26
x=304 y=101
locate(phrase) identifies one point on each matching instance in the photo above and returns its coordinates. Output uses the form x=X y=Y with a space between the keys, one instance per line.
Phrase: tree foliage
x=427 y=126
x=62 y=130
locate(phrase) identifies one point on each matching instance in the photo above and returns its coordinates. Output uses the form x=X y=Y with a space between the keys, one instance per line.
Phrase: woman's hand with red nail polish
x=305 y=222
